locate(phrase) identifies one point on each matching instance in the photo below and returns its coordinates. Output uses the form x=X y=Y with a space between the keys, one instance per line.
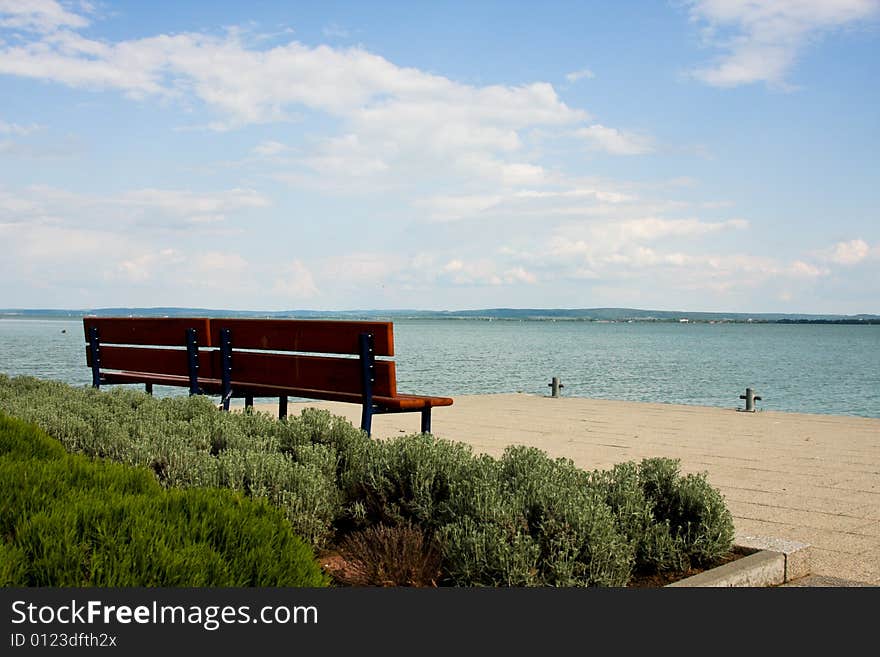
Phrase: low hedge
x=67 y=520
x=524 y=519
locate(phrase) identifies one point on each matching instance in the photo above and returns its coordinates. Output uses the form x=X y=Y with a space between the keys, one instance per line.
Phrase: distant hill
x=569 y=314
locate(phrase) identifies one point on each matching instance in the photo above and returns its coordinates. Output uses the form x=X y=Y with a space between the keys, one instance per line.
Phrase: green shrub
x=485 y=539
x=310 y=500
x=695 y=511
x=489 y=554
x=672 y=522
x=19 y=440
x=405 y=479
x=70 y=521
x=654 y=547
x=576 y=530
x=13 y=565
x=527 y=520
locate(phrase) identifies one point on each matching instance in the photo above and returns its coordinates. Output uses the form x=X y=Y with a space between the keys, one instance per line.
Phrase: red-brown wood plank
x=261 y=390
x=153 y=361
x=209 y=386
x=166 y=331
x=408 y=402
x=398 y=403
x=312 y=372
x=307 y=335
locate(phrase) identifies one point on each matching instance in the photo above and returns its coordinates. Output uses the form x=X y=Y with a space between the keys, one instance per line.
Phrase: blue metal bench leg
x=426 y=420
x=367 y=419
x=226 y=367
x=248 y=402
x=95 y=346
x=282 y=407
x=368 y=368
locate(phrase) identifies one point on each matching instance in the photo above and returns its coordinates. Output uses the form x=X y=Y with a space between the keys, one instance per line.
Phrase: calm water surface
x=794 y=367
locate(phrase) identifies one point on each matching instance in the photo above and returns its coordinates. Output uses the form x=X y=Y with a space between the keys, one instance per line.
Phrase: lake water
x=804 y=368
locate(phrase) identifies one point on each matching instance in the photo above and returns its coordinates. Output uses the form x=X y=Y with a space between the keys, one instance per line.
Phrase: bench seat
x=398 y=403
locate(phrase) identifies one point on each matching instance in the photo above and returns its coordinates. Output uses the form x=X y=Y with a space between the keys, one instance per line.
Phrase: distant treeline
x=520 y=314
x=871 y=320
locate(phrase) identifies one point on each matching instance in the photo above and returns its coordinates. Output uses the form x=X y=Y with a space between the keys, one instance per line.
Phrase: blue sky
x=704 y=155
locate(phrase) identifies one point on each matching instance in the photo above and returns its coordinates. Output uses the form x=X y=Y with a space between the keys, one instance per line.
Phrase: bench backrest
x=267 y=352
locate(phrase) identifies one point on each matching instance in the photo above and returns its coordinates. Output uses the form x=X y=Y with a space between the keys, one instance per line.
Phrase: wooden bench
x=313 y=359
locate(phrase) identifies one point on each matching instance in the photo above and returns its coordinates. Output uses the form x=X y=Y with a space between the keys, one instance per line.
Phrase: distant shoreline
x=598 y=315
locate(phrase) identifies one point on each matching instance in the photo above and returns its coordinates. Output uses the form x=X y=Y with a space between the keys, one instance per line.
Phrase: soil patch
x=657 y=580
x=338 y=568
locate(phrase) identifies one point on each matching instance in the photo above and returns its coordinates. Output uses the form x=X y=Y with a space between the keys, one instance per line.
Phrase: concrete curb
x=774 y=562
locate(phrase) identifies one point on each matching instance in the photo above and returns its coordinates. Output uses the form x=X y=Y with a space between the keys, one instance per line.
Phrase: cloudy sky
x=713 y=155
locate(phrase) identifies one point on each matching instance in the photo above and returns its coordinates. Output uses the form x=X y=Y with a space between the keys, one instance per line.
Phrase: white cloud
x=521 y=173
x=605 y=196
x=614 y=236
x=196 y=208
x=219 y=263
x=801 y=269
x=214 y=275
x=849 y=253
x=485 y=271
x=654 y=252
x=653 y=228
x=519 y=275
x=447 y=208
x=345 y=157
x=38 y=15
x=761 y=40
x=363 y=267
x=249 y=85
x=295 y=283
x=142 y=267
x=17 y=129
x=269 y=148
x=167 y=208
x=514 y=201
x=400 y=124
x=615 y=141
x=584 y=73
x=15 y=208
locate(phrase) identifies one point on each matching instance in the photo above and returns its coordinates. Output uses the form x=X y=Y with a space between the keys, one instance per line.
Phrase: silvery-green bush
x=524 y=519
x=673 y=522
x=405 y=479
x=575 y=528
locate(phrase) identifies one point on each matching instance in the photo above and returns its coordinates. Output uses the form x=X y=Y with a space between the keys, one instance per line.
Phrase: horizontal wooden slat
x=317 y=336
x=384 y=403
x=312 y=372
x=411 y=402
x=259 y=390
x=165 y=331
x=153 y=361
x=209 y=386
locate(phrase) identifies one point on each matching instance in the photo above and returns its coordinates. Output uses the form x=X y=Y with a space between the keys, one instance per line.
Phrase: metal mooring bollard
x=750 y=398
x=555 y=386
